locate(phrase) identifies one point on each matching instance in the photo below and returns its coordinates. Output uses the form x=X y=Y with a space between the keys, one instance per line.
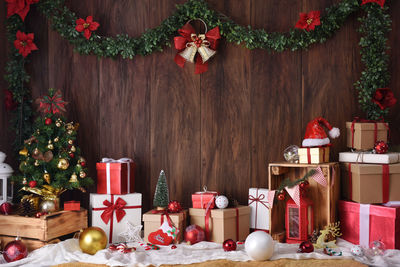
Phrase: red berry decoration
x=173 y=247
x=15 y=250
x=5 y=208
x=38 y=214
x=281 y=196
x=194 y=234
x=32 y=184
x=229 y=245
x=381 y=147
x=174 y=206
x=48 y=121
x=306 y=247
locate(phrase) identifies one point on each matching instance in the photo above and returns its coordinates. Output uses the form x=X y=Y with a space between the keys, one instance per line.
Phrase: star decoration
x=132 y=233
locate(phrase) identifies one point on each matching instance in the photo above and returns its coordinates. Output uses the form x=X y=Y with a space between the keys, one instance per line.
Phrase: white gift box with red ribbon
x=110 y=213
x=260 y=202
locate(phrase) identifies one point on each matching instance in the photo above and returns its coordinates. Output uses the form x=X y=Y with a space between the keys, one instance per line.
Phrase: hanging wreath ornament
x=199 y=47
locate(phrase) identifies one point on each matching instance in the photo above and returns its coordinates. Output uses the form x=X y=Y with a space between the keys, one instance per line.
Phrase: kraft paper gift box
x=313 y=155
x=371 y=183
x=152 y=222
x=230 y=223
x=203 y=200
x=363 y=223
x=115 y=176
x=363 y=135
x=259 y=209
x=112 y=212
x=369 y=157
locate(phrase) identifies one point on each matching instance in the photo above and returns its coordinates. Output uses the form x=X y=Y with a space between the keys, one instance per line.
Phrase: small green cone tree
x=50 y=159
x=161 y=196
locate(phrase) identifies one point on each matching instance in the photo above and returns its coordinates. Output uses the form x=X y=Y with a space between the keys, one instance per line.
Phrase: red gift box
x=374 y=222
x=72 y=205
x=204 y=200
x=116 y=176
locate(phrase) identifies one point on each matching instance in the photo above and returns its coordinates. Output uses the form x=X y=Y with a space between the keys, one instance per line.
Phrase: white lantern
x=6 y=187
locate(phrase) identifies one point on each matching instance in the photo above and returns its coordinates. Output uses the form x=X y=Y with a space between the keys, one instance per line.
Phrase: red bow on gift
x=118 y=207
x=191 y=46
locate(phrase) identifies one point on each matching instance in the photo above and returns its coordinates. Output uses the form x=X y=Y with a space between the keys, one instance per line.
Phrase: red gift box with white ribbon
x=204 y=199
x=116 y=176
x=364 y=223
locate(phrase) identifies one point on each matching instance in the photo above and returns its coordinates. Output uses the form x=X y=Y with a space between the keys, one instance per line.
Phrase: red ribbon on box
x=350 y=182
x=323 y=152
x=385 y=183
x=118 y=207
x=163 y=213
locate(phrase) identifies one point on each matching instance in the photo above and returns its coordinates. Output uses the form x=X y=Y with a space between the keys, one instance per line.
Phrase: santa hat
x=315 y=133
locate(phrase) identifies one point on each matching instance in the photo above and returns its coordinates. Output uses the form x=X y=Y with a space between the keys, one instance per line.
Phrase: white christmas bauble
x=259 y=246
x=357 y=250
x=221 y=202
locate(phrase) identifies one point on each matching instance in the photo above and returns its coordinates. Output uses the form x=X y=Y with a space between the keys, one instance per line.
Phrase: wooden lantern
x=299 y=220
x=6 y=187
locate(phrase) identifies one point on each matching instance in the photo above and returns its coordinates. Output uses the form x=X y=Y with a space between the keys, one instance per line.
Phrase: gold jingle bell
x=82 y=174
x=36 y=163
x=70 y=141
x=46 y=177
x=62 y=164
x=24 y=152
x=74 y=178
x=50 y=146
x=56 y=139
x=73 y=148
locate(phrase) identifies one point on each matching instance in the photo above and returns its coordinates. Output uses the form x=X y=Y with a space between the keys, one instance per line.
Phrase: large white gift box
x=260 y=208
x=369 y=157
x=112 y=212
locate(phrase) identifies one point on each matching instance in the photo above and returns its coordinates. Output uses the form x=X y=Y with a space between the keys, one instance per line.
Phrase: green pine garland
x=375 y=24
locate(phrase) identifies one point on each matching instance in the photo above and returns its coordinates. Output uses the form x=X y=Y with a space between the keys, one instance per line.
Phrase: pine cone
x=26 y=208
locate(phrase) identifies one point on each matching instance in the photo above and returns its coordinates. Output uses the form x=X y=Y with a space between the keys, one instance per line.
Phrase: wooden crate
x=45 y=229
x=324 y=198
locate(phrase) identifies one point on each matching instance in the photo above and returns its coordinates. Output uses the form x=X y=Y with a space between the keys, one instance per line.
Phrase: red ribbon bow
x=52 y=104
x=180 y=42
x=118 y=207
x=258 y=199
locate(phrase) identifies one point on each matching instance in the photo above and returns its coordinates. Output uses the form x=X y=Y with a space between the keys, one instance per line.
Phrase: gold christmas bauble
x=56 y=139
x=50 y=146
x=74 y=178
x=70 y=141
x=58 y=124
x=92 y=239
x=69 y=132
x=73 y=148
x=46 y=177
x=24 y=152
x=62 y=164
x=82 y=174
x=36 y=163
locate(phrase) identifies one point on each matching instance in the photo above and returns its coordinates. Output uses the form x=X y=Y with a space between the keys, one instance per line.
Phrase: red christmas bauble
x=71 y=155
x=306 y=247
x=281 y=196
x=83 y=163
x=174 y=206
x=229 y=245
x=32 y=184
x=15 y=250
x=194 y=234
x=304 y=185
x=6 y=208
x=48 y=121
x=381 y=147
x=38 y=214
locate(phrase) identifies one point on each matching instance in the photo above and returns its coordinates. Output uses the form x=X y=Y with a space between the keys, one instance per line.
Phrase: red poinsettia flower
x=379 y=2
x=309 y=21
x=9 y=102
x=24 y=43
x=20 y=7
x=384 y=98
x=86 y=26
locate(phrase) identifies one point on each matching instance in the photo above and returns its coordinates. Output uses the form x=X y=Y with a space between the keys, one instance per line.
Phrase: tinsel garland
x=375 y=24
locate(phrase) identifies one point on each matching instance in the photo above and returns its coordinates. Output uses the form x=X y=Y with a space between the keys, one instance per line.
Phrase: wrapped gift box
x=230 y=223
x=364 y=133
x=111 y=213
x=369 y=157
x=371 y=183
x=116 y=176
x=204 y=200
x=363 y=223
x=152 y=221
x=72 y=205
x=259 y=209
x=313 y=155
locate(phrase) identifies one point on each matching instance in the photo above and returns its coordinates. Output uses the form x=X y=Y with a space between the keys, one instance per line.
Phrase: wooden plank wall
x=219 y=129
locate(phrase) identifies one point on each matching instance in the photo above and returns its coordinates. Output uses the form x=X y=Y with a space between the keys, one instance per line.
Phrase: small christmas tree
x=50 y=161
x=161 y=196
